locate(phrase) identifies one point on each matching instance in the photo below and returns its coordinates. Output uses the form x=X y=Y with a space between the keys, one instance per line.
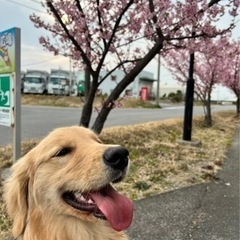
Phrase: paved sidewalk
x=203 y=212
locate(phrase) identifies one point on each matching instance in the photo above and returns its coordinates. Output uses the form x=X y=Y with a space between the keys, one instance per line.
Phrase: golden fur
x=33 y=192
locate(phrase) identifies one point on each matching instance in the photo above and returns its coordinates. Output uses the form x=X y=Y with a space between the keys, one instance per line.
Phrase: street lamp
x=70 y=71
x=158 y=80
x=189 y=97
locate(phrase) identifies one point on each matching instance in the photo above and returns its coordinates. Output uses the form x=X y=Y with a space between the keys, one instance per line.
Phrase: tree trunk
x=208 y=114
x=87 y=82
x=129 y=78
x=86 y=113
x=89 y=98
x=238 y=105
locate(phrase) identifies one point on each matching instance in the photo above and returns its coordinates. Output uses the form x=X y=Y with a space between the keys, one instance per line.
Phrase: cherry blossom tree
x=232 y=79
x=106 y=34
x=211 y=67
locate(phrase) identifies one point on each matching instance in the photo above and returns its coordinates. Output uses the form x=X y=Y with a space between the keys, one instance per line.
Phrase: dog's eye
x=63 y=152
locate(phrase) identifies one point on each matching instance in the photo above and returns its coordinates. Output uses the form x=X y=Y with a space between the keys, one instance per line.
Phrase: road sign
x=5 y=100
x=7 y=51
x=10 y=85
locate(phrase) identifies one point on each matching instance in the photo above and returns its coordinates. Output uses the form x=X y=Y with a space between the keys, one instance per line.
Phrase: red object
x=144 y=93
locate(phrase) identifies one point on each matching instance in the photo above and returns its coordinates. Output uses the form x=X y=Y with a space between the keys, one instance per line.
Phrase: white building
x=167 y=87
x=222 y=94
x=143 y=80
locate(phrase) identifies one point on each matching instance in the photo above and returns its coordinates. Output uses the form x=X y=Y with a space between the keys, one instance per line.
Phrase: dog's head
x=69 y=174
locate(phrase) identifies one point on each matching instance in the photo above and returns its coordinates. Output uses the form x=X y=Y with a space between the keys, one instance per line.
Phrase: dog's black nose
x=116 y=157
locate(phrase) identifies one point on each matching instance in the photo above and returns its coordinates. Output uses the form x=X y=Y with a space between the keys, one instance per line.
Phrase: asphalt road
x=36 y=122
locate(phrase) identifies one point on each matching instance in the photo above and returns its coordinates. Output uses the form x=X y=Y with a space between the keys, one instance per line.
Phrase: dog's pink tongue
x=117 y=208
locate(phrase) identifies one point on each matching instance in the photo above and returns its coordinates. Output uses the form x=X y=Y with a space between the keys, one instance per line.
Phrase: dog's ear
x=16 y=195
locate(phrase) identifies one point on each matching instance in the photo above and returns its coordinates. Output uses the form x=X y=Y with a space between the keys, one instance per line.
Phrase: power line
x=35 y=1
x=36 y=63
x=25 y=6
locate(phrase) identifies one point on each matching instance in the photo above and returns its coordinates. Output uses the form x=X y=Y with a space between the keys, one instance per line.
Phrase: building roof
x=147 y=79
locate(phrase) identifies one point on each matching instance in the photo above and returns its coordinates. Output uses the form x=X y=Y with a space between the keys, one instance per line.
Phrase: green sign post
x=10 y=86
x=5 y=100
x=5 y=87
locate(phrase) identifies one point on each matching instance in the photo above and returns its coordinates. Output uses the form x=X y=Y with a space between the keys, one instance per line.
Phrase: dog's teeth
x=82 y=198
x=78 y=195
x=90 y=201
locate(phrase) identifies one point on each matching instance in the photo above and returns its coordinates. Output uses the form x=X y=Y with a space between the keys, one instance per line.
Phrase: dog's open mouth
x=105 y=203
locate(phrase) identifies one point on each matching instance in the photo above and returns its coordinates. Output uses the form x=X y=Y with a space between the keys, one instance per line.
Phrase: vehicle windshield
x=57 y=80
x=33 y=80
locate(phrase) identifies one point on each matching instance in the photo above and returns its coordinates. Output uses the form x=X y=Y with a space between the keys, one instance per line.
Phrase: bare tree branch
x=75 y=43
x=100 y=24
x=117 y=66
x=154 y=18
x=118 y=21
x=212 y=2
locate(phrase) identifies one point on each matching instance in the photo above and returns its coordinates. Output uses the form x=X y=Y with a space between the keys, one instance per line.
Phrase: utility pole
x=158 y=80
x=70 y=76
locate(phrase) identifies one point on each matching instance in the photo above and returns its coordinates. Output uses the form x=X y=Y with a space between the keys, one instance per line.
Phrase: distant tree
x=232 y=79
x=209 y=69
x=176 y=97
x=106 y=34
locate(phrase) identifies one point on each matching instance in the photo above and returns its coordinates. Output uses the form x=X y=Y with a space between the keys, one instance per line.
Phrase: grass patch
x=73 y=101
x=158 y=162
x=141 y=185
x=136 y=103
x=51 y=100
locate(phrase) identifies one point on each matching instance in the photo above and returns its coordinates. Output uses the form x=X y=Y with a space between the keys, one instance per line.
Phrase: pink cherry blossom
x=96 y=32
x=216 y=63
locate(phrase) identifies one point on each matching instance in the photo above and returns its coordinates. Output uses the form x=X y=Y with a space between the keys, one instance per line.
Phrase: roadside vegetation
x=158 y=162
x=76 y=102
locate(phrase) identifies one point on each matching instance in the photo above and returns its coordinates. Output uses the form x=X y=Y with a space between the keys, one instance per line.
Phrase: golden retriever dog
x=61 y=189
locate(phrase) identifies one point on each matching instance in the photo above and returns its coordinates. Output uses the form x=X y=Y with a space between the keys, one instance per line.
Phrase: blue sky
x=15 y=13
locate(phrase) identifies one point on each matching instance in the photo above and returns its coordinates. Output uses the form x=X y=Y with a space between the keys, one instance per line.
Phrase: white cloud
x=33 y=57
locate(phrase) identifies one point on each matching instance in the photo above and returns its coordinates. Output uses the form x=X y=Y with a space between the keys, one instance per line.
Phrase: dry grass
x=50 y=100
x=71 y=101
x=158 y=162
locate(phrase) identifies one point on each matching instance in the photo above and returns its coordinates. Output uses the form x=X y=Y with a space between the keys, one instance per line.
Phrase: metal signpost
x=10 y=86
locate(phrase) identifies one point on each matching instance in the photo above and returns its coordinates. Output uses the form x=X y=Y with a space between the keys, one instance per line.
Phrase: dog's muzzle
x=105 y=202
x=116 y=157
